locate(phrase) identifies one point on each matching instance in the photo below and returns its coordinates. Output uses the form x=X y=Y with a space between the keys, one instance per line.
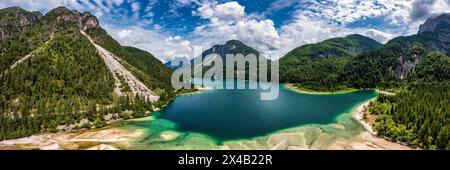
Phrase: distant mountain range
x=317 y=66
x=359 y=62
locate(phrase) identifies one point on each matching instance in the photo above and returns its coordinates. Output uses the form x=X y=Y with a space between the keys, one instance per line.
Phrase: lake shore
x=308 y=137
x=292 y=87
x=195 y=90
x=311 y=137
x=358 y=114
x=104 y=138
x=365 y=140
x=95 y=139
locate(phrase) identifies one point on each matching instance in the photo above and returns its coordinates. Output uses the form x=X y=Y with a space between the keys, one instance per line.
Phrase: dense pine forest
x=419 y=115
x=64 y=82
x=52 y=78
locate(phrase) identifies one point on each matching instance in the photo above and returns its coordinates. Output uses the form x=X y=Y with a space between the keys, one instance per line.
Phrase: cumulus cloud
x=227 y=11
x=229 y=21
x=162 y=45
x=347 y=11
x=377 y=35
x=32 y=5
x=319 y=21
x=423 y=9
x=420 y=9
x=135 y=6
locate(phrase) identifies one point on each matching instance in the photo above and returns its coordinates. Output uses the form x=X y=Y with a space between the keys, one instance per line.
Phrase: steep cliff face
x=62 y=17
x=433 y=35
x=398 y=58
x=440 y=27
x=436 y=23
x=15 y=20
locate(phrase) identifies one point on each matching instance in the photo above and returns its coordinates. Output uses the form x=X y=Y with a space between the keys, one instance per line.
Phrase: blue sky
x=167 y=28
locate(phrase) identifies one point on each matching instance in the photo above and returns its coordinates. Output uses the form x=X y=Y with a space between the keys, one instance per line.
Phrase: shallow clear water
x=212 y=117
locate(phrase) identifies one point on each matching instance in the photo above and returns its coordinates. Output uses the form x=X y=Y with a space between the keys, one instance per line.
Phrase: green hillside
x=53 y=78
x=318 y=66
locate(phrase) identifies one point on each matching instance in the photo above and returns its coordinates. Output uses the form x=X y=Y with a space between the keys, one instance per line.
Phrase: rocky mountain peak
x=14 y=20
x=83 y=20
x=230 y=47
x=61 y=10
x=436 y=23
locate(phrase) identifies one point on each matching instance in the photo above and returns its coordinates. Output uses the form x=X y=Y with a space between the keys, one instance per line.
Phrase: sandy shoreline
x=358 y=114
x=95 y=139
x=199 y=89
x=298 y=138
x=365 y=140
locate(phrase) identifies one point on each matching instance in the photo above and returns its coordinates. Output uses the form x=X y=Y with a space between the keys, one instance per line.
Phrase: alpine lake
x=238 y=119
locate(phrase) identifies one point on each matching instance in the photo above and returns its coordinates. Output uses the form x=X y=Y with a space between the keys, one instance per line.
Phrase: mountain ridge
x=378 y=66
x=317 y=66
x=56 y=75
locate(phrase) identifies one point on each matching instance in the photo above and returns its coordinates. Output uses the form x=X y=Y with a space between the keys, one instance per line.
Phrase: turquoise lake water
x=240 y=114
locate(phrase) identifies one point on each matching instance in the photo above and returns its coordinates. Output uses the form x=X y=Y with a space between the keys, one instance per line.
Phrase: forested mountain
x=397 y=58
x=230 y=47
x=318 y=66
x=420 y=115
x=359 y=62
x=51 y=74
x=15 y=20
x=233 y=47
x=416 y=66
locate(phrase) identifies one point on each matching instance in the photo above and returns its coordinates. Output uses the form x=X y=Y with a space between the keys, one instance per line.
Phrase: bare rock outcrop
x=15 y=20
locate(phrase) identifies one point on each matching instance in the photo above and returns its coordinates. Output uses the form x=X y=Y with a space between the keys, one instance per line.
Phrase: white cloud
x=135 y=6
x=162 y=45
x=229 y=21
x=432 y=8
x=32 y=5
x=377 y=35
x=118 y=2
x=347 y=11
x=124 y=33
x=229 y=11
